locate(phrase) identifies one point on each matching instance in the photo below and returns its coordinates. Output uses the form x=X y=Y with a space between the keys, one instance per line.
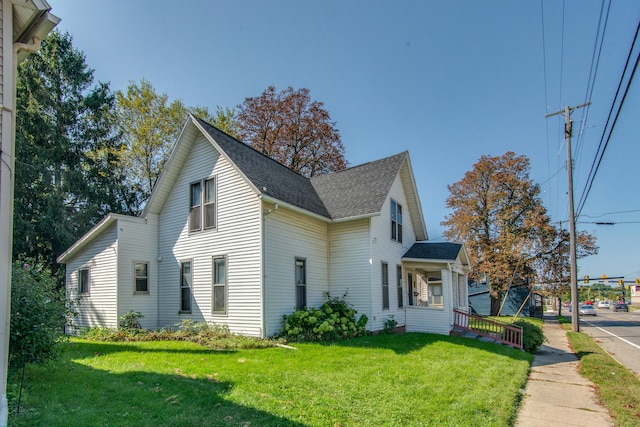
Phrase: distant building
x=520 y=300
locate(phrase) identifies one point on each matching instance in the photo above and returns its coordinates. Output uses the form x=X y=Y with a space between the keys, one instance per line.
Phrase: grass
x=618 y=389
x=384 y=380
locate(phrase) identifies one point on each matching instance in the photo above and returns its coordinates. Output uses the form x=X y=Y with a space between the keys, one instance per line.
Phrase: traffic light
x=620 y=282
x=604 y=277
x=637 y=281
x=586 y=280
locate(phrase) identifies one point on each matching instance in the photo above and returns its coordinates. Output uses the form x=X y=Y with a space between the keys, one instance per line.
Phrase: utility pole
x=568 y=128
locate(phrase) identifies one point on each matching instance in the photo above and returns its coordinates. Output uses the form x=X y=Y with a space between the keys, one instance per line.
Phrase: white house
x=232 y=237
x=23 y=24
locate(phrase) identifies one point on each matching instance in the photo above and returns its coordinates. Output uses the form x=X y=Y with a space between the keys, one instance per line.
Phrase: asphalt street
x=618 y=333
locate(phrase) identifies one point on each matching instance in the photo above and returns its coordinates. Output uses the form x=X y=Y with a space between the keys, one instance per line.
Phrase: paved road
x=618 y=333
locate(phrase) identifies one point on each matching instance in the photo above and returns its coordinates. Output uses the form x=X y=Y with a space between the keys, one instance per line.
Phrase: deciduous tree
x=151 y=124
x=499 y=216
x=292 y=129
x=553 y=263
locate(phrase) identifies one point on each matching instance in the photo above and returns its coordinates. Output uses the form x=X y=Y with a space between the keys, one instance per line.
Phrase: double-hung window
x=83 y=281
x=301 y=283
x=396 y=221
x=210 y=203
x=202 y=205
x=185 y=286
x=142 y=278
x=219 y=285
x=435 y=291
x=385 y=286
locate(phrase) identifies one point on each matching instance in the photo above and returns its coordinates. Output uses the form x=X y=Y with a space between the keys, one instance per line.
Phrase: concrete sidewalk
x=556 y=394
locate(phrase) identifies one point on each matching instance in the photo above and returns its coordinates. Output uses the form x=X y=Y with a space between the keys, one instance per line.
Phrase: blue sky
x=449 y=81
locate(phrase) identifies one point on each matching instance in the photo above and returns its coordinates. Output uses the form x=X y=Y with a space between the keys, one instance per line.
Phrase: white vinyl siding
x=99 y=306
x=350 y=269
x=290 y=235
x=138 y=242
x=237 y=235
x=383 y=249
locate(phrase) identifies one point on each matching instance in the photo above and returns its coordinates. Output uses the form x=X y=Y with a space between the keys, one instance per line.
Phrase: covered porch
x=436 y=275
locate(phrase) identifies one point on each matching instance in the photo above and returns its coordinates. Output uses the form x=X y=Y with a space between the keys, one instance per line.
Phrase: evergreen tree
x=68 y=175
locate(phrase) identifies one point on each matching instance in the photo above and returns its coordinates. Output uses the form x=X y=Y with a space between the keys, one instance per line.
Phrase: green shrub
x=334 y=320
x=39 y=313
x=533 y=338
x=130 y=320
x=206 y=334
x=390 y=325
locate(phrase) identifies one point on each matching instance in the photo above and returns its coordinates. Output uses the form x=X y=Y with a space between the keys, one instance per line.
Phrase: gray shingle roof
x=441 y=251
x=267 y=175
x=360 y=190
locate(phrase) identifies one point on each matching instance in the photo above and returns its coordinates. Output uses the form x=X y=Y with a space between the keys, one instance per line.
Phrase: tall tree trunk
x=495 y=305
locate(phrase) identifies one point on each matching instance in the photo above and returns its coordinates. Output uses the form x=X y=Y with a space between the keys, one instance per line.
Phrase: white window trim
x=300 y=285
x=214 y=203
x=191 y=207
x=396 y=225
x=88 y=270
x=384 y=279
x=431 y=296
x=135 y=278
x=202 y=205
x=225 y=285
x=400 y=285
x=180 y=311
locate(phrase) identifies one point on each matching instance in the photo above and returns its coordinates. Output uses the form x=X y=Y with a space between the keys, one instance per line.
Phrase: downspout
x=25 y=47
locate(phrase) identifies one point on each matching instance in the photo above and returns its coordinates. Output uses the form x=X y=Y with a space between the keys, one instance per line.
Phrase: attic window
x=396 y=221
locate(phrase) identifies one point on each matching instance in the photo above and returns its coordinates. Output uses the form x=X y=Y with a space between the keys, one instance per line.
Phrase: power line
x=612 y=213
x=585 y=193
x=602 y=146
x=608 y=222
x=593 y=71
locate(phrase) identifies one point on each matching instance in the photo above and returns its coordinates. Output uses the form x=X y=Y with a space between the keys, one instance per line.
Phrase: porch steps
x=459 y=332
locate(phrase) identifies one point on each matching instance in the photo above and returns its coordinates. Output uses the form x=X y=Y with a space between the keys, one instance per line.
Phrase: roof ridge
x=365 y=164
x=248 y=146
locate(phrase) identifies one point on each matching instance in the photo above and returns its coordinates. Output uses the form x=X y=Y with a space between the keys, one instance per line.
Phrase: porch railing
x=497 y=331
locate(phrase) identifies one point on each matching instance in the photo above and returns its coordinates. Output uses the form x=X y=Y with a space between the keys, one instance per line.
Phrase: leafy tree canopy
x=151 y=125
x=292 y=129
x=497 y=213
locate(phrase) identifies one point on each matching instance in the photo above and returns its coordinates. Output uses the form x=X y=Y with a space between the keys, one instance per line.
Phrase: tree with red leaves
x=293 y=130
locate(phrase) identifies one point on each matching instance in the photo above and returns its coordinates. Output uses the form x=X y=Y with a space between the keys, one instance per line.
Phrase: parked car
x=620 y=306
x=587 y=310
x=604 y=304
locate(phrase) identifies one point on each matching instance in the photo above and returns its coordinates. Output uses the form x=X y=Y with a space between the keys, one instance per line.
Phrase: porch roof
x=443 y=251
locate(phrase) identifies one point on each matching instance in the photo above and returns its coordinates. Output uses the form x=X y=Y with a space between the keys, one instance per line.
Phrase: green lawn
x=385 y=380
